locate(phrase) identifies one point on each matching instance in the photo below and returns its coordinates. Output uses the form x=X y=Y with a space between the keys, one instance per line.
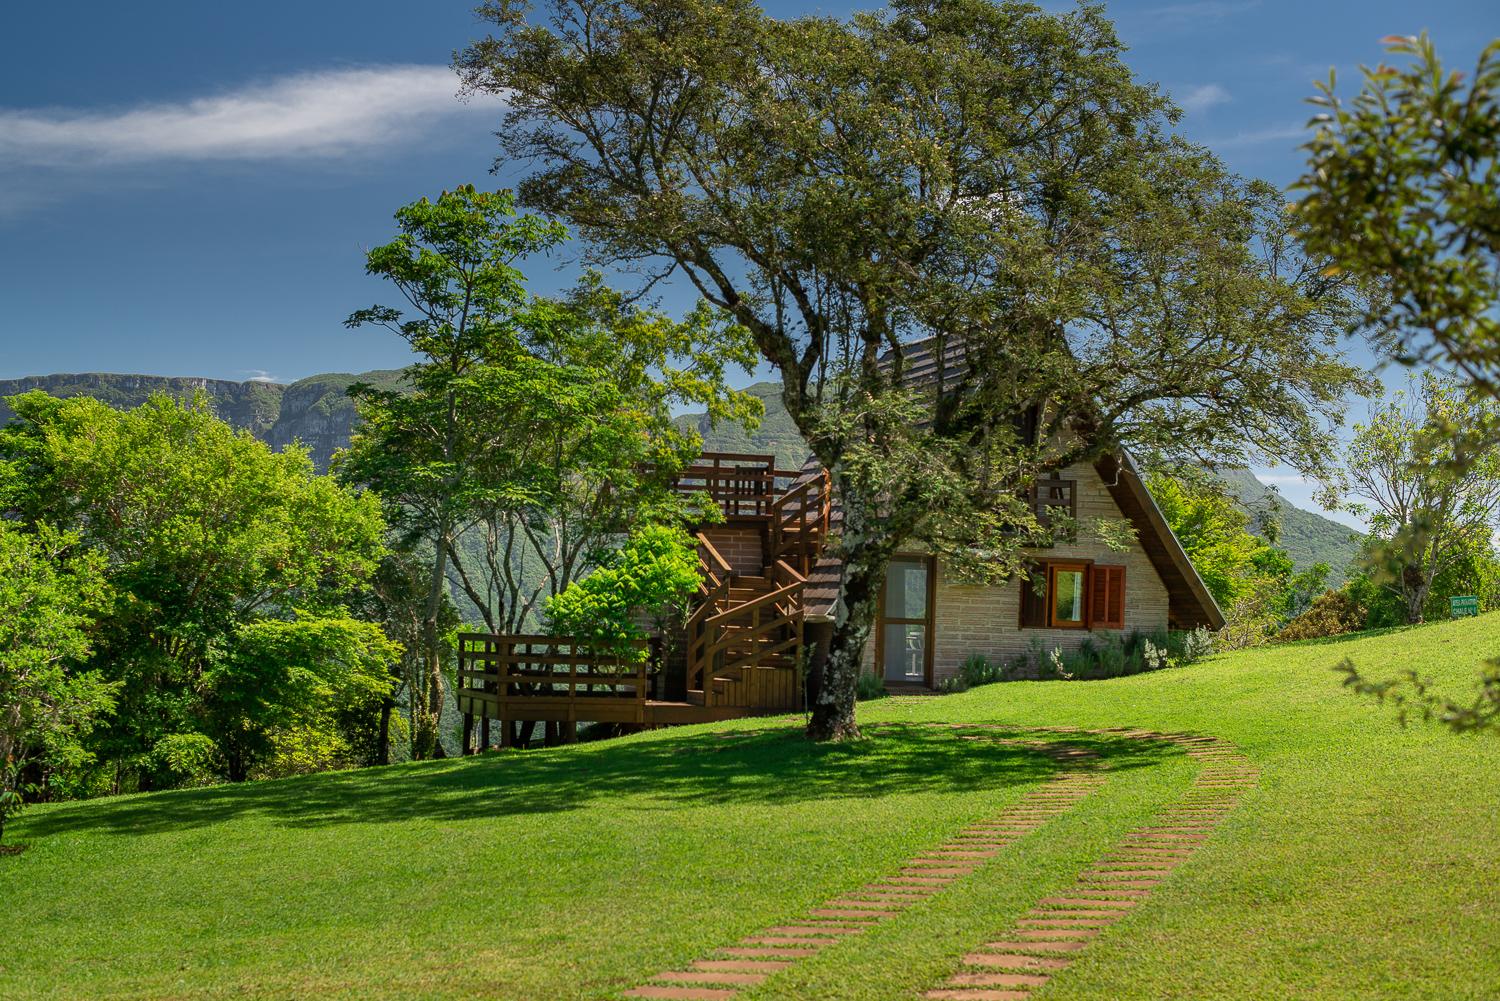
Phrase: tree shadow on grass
x=773 y=766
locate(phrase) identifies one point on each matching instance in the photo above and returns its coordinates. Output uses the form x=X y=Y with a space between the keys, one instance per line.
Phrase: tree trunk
x=1415 y=586
x=383 y=742
x=864 y=561
x=432 y=657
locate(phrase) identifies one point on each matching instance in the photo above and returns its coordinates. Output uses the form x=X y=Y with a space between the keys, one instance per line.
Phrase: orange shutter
x=1107 y=597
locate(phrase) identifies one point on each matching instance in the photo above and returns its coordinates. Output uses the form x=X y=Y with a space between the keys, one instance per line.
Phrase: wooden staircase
x=745 y=634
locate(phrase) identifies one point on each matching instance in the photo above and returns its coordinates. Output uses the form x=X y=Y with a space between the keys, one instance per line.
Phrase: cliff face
x=316 y=411
x=252 y=406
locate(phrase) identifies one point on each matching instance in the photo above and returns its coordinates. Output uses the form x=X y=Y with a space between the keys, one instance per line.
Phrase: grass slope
x=1361 y=867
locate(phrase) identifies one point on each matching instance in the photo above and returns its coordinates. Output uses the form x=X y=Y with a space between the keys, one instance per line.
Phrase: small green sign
x=1460 y=605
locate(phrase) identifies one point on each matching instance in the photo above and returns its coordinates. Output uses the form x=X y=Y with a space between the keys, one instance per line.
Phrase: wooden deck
x=549 y=679
x=744 y=636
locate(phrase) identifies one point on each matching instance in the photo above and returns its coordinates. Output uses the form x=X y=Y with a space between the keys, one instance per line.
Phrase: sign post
x=1461 y=605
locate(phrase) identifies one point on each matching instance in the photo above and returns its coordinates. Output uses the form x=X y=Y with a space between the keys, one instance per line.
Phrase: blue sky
x=186 y=188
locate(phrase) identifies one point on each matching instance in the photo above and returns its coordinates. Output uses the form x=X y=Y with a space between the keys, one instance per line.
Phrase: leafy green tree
x=1473 y=568
x=967 y=173
x=277 y=695
x=1429 y=502
x=49 y=594
x=1401 y=188
x=397 y=599
x=590 y=405
x=652 y=576
x=1215 y=533
x=454 y=262
x=201 y=531
x=537 y=431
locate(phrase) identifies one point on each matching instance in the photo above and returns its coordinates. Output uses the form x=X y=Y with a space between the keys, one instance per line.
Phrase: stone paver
x=1045 y=939
x=774 y=948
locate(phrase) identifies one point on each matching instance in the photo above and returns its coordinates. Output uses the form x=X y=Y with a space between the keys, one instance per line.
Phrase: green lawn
x=1363 y=866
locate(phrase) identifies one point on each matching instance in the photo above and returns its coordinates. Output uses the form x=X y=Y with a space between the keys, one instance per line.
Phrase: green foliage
x=1115 y=655
x=534 y=432
x=869 y=686
x=1402 y=184
x=49 y=595
x=653 y=575
x=1432 y=501
x=976 y=670
x=1097 y=267
x=274 y=697
x=1214 y=532
x=1401 y=187
x=200 y=532
x=1252 y=580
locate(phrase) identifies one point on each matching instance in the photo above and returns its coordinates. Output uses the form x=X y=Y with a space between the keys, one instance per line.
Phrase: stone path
x=1044 y=941
x=751 y=960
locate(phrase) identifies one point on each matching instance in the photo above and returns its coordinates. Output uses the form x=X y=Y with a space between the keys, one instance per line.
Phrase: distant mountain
x=316 y=411
x=1307 y=537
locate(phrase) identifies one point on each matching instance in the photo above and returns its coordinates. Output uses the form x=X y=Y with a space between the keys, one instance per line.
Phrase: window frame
x=929 y=623
x=1044 y=617
x=1085 y=568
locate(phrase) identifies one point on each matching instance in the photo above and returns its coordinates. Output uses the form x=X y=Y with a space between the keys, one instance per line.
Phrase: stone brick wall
x=986 y=620
x=742 y=548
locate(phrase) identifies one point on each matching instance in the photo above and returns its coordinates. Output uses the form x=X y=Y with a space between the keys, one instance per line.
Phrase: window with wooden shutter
x=1107 y=597
x=1034 y=597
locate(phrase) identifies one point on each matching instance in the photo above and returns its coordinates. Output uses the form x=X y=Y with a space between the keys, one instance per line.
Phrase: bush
x=975 y=671
x=869 y=686
x=655 y=572
x=1115 y=655
x=1332 y=613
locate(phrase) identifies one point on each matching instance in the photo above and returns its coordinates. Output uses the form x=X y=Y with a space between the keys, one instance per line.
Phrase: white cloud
x=1201 y=10
x=1282 y=133
x=1195 y=100
x=1271 y=479
x=307 y=115
x=259 y=375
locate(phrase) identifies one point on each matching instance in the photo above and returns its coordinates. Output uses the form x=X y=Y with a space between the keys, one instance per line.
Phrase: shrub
x=869 y=686
x=655 y=572
x=1332 y=613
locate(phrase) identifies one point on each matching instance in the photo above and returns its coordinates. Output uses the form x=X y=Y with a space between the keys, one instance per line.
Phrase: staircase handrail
x=755 y=604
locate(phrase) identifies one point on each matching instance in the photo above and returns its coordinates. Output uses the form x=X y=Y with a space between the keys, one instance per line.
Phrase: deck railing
x=742 y=485
x=549 y=678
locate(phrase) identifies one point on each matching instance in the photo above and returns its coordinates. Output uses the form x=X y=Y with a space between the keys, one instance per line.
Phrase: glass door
x=906 y=620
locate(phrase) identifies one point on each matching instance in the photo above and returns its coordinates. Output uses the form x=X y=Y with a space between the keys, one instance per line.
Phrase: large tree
x=202 y=532
x=1428 y=502
x=49 y=594
x=988 y=176
x=534 y=432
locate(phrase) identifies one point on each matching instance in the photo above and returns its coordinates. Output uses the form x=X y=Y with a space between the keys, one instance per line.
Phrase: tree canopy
x=535 y=432
x=987 y=181
x=201 y=533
